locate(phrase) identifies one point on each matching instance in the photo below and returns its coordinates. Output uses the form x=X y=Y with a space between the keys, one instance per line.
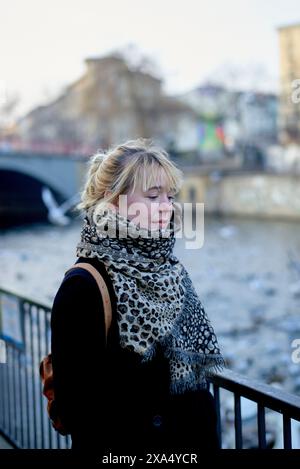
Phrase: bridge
x=39 y=186
x=22 y=177
x=33 y=184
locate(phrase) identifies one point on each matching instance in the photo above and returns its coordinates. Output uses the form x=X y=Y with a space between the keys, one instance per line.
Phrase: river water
x=247 y=275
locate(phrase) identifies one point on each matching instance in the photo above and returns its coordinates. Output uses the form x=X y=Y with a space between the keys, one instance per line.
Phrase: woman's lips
x=160 y=222
x=163 y=222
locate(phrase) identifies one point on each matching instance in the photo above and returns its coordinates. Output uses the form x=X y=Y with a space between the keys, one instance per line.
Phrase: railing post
x=39 y=341
x=32 y=351
x=287 y=433
x=47 y=328
x=238 y=421
x=218 y=409
x=261 y=426
x=14 y=394
x=21 y=394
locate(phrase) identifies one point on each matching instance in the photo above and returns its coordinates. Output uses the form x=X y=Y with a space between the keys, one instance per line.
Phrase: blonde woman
x=147 y=388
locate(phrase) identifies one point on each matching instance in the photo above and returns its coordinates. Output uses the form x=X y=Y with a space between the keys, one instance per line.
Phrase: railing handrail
x=269 y=396
x=26 y=299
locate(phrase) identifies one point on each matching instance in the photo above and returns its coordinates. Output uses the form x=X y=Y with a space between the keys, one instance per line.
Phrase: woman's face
x=151 y=209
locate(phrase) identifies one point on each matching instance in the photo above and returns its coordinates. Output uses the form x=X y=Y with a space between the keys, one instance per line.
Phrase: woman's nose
x=164 y=199
x=165 y=205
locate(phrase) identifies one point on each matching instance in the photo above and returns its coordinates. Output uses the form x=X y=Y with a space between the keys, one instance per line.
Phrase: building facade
x=289 y=110
x=110 y=103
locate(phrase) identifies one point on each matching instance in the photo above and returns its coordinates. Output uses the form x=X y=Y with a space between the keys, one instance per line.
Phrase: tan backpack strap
x=103 y=289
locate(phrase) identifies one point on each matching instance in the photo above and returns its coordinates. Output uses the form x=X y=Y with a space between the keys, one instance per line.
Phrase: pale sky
x=43 y=44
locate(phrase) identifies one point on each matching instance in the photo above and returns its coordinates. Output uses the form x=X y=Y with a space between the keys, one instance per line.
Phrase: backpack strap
x=103 y=289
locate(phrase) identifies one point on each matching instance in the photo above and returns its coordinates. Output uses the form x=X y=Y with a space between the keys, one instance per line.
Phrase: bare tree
x=252 y=76
x=8 y=107
x=137 y=60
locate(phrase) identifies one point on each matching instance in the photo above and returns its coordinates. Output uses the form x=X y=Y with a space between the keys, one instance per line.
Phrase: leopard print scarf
x=156 y=300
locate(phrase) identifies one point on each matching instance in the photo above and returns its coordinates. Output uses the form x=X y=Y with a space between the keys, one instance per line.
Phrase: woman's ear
x=108 y=193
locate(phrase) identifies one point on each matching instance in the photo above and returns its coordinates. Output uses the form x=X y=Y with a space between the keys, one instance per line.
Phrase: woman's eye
x=170 y=197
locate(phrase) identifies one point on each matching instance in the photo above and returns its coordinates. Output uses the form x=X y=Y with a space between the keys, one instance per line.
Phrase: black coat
x=105 y=396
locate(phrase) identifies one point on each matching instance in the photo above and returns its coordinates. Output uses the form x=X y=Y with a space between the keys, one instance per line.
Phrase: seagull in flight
x=56 y=213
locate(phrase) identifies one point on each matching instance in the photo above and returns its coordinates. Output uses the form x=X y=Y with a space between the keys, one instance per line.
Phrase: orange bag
x=45 y=368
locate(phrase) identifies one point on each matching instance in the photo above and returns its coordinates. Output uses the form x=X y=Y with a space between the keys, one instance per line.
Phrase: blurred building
x=289 y=114
x=110 y=103
x=230 y=120
x=209 y=103
x=285 y=155
x=113 y=102
x=257 y=115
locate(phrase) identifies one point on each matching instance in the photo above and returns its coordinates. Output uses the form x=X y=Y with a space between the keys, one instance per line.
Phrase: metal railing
x=265 y=397
x=25 y=328
x=23 y=417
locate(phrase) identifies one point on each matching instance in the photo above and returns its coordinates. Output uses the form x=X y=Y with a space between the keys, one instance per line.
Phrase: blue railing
x=23 y=418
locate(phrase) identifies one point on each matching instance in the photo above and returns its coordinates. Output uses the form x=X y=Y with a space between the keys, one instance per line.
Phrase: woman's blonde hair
x=126 y=167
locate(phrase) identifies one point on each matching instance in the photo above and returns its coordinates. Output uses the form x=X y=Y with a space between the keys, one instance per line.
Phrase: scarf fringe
x=216 y=362
x=196 y=381
x=188 y=384
x=192 y=358
x=150 y=352
x=207 y=366
x=213 y=361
